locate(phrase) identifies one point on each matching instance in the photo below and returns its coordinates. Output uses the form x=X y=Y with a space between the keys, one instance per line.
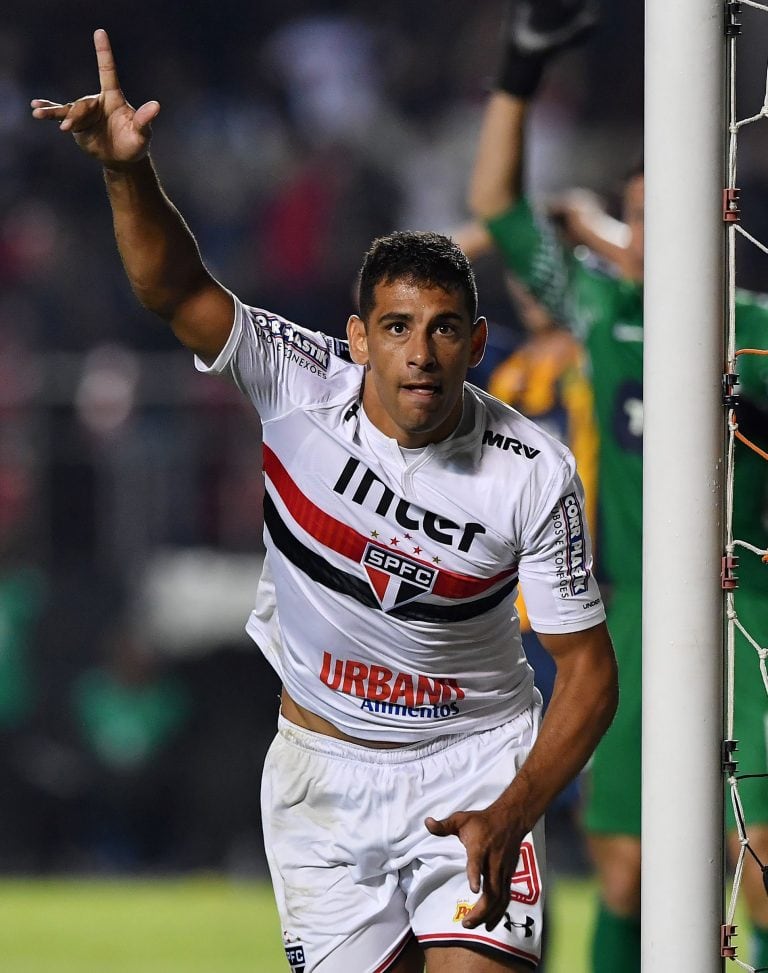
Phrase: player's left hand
x=492 y=841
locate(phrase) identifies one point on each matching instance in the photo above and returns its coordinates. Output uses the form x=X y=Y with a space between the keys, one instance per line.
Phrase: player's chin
x=423 y=421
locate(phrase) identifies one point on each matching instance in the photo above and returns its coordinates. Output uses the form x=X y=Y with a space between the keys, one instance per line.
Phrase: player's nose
x=421 y=351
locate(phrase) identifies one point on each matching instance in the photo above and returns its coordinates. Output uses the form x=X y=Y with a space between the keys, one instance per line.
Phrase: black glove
x=534 y=30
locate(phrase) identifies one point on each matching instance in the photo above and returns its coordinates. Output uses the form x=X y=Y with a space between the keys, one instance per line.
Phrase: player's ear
x=479 y=341
x=358 y=340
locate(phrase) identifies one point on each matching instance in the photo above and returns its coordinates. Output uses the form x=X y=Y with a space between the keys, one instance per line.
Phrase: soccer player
x=404 y=791
x=603 y=303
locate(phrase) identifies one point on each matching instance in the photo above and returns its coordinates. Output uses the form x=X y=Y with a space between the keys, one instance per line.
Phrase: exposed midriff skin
x=311 y=721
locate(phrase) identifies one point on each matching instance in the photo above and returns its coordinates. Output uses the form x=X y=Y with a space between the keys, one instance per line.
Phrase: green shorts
x=613 y=782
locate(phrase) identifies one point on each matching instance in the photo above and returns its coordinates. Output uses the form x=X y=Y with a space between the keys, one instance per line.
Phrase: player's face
x=634 y=216
x=417 y=346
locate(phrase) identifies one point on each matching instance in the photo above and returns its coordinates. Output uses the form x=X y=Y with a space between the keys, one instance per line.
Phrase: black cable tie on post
x=730 y=395
x=732 y=22
x=727 y=750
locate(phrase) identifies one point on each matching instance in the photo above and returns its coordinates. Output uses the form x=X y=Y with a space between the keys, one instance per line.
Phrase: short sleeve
x=277 y=364
x=561 y=593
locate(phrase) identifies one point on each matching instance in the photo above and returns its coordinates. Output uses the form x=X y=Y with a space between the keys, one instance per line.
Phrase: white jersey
x=387 y=601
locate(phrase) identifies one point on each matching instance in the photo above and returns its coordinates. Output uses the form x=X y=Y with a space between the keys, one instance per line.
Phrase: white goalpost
x=682 y=831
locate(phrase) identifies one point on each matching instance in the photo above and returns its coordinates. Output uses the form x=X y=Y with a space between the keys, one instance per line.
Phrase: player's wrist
x=121 y=168
x=132 y=168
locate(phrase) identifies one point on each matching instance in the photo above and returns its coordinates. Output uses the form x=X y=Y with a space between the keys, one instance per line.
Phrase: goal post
x=682 y=804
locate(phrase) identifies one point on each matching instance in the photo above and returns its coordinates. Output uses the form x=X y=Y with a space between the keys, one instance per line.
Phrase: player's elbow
x=166 y=296
x=158 y=302
x=607 y=677
x=598 y=674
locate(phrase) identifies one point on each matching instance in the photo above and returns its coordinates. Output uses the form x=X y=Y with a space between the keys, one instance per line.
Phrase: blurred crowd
x=290 y=135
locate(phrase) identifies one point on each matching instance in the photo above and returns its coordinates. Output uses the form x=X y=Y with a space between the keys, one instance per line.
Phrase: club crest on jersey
x=395 y=578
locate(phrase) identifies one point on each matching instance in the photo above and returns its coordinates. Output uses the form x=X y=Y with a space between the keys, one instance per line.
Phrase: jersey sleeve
x=533 y=253
x=280 y=366
x=555 y=567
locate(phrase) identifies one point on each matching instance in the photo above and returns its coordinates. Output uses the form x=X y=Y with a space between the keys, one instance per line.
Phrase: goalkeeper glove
x=533 y=32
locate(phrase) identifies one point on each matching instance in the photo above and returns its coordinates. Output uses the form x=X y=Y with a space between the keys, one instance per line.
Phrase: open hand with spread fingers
x=104 y=125
x=492 y=841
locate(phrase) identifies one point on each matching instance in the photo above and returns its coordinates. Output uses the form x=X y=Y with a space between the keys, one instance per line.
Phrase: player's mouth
x=423 y=390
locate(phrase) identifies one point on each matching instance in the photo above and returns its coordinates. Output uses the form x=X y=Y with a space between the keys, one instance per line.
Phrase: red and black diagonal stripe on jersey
x=344 y=540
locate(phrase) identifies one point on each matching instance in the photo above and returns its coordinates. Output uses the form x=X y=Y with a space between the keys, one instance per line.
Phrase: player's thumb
x=441 y=829
x=145 y=115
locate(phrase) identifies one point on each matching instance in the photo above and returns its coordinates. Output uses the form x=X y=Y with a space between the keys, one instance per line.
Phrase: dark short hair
x=425 y=258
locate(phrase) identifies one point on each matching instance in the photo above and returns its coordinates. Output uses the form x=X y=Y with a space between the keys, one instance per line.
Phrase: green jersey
x=606 y=312
x=607 y=315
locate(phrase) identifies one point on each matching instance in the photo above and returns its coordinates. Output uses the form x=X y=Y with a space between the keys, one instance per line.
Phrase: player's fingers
x=41 y=108
x=488 y=911
x=82 y=114
x=474 y=871
x=106 y=61
x=495 y=913
x=490 y=907
x=445 y=826
x=477 y=913
x=438 y=828
x=496 y=887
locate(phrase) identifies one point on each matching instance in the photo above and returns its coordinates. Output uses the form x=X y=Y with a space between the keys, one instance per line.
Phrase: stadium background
x=134 y=713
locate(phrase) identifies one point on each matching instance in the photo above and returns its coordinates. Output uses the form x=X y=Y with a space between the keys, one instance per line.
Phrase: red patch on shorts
x=525 y=886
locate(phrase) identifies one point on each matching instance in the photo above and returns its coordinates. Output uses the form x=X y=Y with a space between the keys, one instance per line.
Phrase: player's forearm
x=496 y=181
x=159 y=253
x=581 y=709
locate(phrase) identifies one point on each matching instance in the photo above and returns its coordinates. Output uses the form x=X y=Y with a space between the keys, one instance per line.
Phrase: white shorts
x=356 y=873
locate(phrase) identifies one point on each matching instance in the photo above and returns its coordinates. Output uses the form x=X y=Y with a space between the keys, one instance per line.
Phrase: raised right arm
x=163 y=263
x=158 y=250
x=496 y=181
x=534 y=31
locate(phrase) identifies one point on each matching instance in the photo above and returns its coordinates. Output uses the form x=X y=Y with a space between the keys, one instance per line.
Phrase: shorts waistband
x=306 y=739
